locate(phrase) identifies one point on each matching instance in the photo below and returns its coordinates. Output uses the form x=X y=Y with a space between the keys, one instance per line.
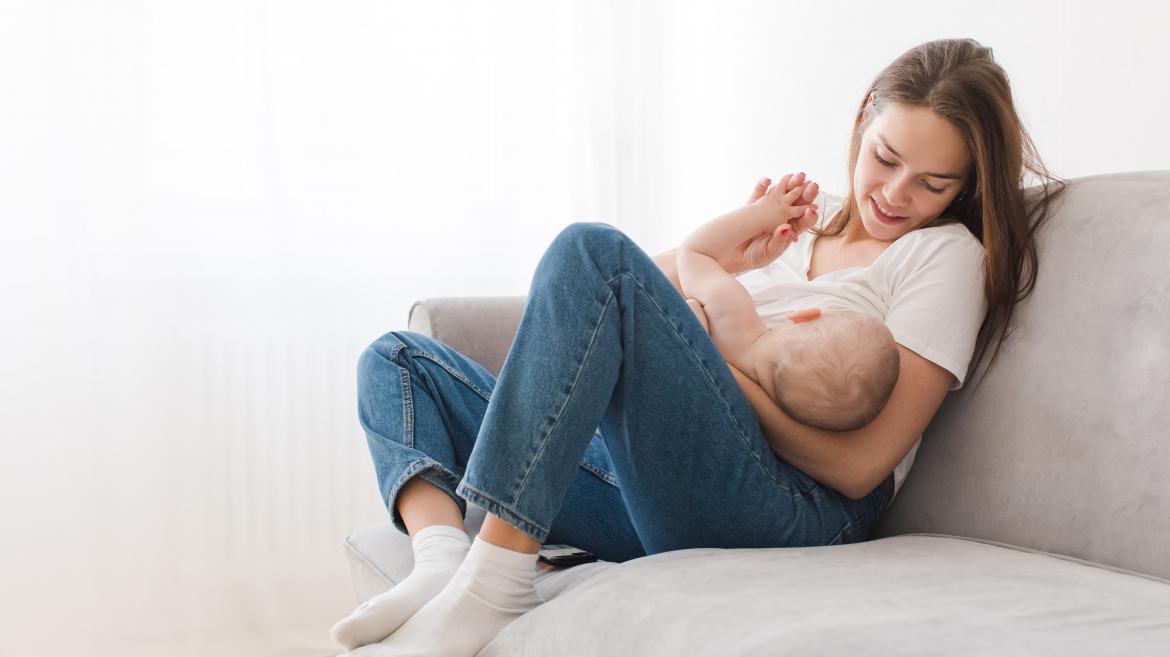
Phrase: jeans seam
x=806 y=494
x=600 y=472
x=568 y=395
x=407 y=396
x=434 y=358
x=407 y=407
x=837 y=540
x=719 y=393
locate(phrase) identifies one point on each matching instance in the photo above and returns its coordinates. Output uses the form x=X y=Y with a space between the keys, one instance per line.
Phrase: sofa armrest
x=480 y=328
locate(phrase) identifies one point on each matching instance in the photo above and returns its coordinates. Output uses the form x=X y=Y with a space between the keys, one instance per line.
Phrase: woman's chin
x=877 y=230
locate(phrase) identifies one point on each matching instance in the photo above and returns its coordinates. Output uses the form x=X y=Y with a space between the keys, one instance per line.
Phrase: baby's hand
x=791 y=199
x=763 y=249
x=697 y=308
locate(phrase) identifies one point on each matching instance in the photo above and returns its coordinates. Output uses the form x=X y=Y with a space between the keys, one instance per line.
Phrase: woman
x=616 y=427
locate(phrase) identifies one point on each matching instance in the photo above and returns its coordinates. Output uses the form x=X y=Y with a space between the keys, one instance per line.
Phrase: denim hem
x=423 y=467
x=600 y=473
x=497 y=508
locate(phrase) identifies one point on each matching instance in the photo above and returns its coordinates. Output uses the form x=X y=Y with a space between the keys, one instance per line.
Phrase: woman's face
x=925 y=166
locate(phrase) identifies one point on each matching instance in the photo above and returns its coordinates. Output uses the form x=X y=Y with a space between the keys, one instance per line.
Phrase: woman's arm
x=850 y=462
x=855 y=462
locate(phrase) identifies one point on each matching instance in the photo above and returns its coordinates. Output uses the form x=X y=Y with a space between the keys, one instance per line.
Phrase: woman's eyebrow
x=948 y=176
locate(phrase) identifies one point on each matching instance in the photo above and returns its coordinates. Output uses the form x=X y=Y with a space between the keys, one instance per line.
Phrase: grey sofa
x=1036 y=520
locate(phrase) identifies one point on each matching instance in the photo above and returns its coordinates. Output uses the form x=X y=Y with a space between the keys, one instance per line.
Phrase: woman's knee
x=589 y=237
x=380 y=353
x=385 y=352
x=583 y=247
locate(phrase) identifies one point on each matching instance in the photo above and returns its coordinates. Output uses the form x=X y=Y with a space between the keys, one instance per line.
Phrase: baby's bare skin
x=796 y=316
x=724 y=307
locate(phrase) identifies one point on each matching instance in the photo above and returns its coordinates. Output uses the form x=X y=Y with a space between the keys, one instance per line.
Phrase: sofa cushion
x=905 y=595
x=916 y=594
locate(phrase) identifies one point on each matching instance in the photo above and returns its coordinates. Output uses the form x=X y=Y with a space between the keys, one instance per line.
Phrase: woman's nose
x=896 y=192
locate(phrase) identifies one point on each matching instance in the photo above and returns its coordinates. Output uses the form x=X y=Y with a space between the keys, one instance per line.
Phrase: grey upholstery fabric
x=1065 y=447
x=1062 y=449
x=917 y=594
x=480 y=328
x=905 y=595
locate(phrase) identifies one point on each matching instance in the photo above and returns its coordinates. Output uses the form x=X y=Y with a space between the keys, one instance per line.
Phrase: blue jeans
x=615 y=424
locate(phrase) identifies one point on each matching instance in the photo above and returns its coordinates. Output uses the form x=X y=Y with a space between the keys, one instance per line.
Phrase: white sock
x=438 y=551
x=493 y=587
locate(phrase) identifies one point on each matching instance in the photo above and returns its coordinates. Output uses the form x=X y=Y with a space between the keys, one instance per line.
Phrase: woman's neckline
x=808 y=254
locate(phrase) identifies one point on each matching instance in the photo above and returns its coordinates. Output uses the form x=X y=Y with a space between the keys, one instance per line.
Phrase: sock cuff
x=441 y=532
x=500 y=556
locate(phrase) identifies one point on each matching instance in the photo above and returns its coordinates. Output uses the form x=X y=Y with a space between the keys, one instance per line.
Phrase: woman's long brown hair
x=960 y=81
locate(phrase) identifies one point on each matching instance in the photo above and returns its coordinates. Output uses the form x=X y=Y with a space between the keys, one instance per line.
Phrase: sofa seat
x=912 y=594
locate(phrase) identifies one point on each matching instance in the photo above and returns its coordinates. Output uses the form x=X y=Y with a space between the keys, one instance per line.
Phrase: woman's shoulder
x=943 y=251
x=948 y=237
x=948 y=229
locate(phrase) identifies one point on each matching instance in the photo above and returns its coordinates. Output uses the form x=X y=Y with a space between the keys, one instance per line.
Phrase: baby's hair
x=838 y=372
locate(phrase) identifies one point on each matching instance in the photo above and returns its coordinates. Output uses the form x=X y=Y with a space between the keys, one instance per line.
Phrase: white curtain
x=209 y=209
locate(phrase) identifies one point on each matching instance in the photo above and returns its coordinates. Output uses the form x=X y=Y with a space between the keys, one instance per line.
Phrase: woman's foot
x=493 y=587
x=438 y=552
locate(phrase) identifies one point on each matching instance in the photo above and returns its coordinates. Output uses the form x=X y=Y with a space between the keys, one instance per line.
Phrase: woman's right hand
x=762 y=249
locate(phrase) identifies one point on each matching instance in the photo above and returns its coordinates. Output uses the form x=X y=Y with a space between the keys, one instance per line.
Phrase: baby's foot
x=438 y=551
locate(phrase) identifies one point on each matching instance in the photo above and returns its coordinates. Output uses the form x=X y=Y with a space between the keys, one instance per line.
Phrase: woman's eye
x=890 y=164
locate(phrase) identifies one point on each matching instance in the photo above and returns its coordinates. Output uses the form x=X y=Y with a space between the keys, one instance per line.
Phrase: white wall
x=210 y=208
x=771 y=88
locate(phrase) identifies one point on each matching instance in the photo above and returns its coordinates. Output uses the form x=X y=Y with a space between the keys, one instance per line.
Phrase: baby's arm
x=731 y=314
x=732 y=319
x=772 y=217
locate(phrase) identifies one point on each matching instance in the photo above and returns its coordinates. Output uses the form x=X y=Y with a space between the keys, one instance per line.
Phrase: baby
x=833 y=370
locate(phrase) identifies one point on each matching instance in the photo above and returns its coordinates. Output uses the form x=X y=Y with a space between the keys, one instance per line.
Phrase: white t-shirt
x=927 y=286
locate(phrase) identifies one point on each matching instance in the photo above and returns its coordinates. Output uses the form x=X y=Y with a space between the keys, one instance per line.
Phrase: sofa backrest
x=1065 y=447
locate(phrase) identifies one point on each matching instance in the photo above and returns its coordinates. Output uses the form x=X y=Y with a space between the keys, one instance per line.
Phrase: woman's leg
x=606 y=337
x=420 y=404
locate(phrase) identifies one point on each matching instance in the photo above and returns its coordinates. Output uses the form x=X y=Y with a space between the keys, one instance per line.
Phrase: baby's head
x=835 y=372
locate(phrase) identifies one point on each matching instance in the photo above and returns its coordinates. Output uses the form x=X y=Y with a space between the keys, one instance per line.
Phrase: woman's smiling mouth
x=888 y=218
